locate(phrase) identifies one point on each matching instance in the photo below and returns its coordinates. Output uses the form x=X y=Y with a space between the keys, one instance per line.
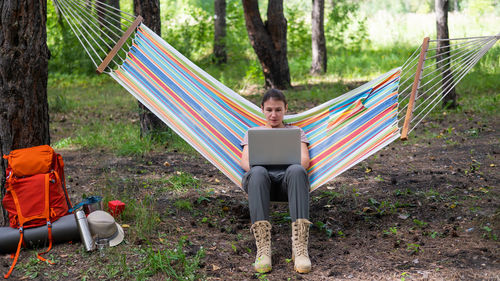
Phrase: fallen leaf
x=403 y=216
x=166 y=164
x=215 y=267
x=217 y=180
x=125 y=225
x=483 y=190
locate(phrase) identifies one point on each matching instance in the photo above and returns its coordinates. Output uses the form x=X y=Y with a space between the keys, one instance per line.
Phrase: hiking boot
x=300 y=239
x=262 y=232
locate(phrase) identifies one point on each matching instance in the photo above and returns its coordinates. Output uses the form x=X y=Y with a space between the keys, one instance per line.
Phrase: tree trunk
x=24 y=114
x=150 y=11
x=220 y=31
x=443 y=55
x=269 y=41
x=318 y=65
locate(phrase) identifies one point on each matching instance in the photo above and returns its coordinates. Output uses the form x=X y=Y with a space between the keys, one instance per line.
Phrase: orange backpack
x=36 y=192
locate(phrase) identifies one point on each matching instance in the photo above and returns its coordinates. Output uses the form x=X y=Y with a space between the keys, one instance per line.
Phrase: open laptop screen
x=280 y=146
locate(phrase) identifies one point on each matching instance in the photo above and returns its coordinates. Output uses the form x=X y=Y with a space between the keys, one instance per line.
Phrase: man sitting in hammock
x=291 y=182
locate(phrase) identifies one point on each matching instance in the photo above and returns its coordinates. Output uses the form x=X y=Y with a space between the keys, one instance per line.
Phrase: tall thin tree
x=24 y=111
x=150 y=11
x=443 y=53
x=269 y=41
x=318 y=65
x=220 y=31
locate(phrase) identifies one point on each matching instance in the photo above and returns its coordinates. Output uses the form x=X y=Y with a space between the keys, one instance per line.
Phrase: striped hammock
x=213 y=118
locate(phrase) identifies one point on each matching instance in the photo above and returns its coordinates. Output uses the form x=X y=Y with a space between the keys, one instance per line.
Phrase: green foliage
x=183 y=204
x=143 y=214
x=392 y=230
x=344 y=27
x=477 y=91
x=182 y=180
x=237 y=42
x=402 y=6
x=60 y=104
x=298 y=34
x=189 y=34
x=413 y=248
x=419 y=223
x=66 y=53
x=489 y=233
x=328 y=231
x=382 y=208
x=480 y=7
x=122 y=137
x=175 y=263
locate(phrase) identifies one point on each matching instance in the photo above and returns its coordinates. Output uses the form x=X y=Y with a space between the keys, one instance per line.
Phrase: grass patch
x=183 y=204
x=182 y=180
x=122 y=138
x=172 y=264
x=143 y=217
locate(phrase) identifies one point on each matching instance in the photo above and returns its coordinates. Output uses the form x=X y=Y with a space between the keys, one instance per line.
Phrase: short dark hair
x=273 y=94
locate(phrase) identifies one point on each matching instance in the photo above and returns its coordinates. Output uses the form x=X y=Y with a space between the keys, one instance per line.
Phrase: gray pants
x=264 y=184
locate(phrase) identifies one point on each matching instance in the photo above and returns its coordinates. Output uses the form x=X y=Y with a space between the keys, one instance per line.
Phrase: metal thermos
x=83 y=227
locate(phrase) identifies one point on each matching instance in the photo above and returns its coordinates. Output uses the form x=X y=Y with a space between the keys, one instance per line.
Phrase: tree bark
x=318 y=65
x=24 y=114
x=150 y=11
x=220 y=31
x=443 y=55
x=269 y=41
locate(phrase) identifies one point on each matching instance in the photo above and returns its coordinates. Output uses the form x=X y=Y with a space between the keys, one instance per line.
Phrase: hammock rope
x=213 y=118
x=439 y=77
x=88 y=21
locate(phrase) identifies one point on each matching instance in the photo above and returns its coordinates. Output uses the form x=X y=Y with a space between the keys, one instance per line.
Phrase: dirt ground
x=426 y=209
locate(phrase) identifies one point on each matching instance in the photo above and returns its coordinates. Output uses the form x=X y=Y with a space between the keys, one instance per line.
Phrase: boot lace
x=301 y=238
x=262 y=233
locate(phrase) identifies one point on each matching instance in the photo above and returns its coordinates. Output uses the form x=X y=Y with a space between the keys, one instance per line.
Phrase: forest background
x=363 y=39
x=184 y=220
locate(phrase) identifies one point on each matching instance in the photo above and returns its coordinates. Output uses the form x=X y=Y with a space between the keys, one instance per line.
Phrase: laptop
x=280 y=146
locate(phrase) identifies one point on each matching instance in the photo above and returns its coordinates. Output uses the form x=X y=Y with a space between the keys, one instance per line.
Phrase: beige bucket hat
x=103 y=225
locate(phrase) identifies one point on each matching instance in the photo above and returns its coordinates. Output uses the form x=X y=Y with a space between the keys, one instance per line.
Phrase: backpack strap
x=39 y=255
x=22 y=220
x=46 y=213
x=21 y=235
x=9 y=186
x=59 y=168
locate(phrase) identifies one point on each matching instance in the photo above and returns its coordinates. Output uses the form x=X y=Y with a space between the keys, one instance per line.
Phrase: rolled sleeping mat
x=63 y=230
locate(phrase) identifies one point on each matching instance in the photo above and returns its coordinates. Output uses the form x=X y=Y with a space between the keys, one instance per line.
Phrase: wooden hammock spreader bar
x=118 y=45
x=414 y=88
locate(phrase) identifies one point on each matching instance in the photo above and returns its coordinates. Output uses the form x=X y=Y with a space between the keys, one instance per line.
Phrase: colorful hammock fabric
x=213 y=118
